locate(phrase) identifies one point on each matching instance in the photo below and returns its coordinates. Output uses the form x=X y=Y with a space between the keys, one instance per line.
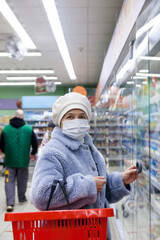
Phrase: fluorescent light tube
x=50 y=78
x=143 y=70
x=57 y=83
x=22 y=83
x=130 y=82
x=17 y=83
x=28 y=78
x=26 y=71
x=33 y=54
x=56 y=27
x=27 y=54
x=148 y=74
x=144 y=82
x=15 y=24
x=4 y=54
x=136 y=77
x=148 y=25
x=127 y=66
x=149 y=58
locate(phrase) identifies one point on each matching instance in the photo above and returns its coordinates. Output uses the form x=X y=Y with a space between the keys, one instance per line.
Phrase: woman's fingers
x=132 y=167
x=100 y=177
x=100 y=181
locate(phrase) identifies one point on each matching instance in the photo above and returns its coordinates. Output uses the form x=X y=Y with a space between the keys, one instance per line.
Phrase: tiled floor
x=6 y=228
x=114 y=232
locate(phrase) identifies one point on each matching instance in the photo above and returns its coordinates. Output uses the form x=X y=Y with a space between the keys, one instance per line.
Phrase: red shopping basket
x=81 y=224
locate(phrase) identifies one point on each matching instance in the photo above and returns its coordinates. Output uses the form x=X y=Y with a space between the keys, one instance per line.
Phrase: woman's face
x=73 y=114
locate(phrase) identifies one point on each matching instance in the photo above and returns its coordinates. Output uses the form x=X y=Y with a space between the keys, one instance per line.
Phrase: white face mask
x=76 y=128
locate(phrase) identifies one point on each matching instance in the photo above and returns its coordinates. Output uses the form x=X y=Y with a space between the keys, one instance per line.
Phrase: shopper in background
x=71 y=156
x=47 y=135
x=15 y=142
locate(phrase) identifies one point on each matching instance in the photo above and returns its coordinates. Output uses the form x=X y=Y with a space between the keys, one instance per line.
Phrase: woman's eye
x=82 y=117
x=69 y=117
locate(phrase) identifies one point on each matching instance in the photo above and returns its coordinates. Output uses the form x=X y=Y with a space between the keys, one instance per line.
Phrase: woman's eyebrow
x=69 y=114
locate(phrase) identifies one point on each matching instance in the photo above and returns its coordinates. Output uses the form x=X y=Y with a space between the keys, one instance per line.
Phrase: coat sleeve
x=34 y=143
x=81 y=189
x=2 y=145
x=115 y=189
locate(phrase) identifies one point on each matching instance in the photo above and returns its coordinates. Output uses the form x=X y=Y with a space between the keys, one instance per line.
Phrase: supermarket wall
x=18 y=91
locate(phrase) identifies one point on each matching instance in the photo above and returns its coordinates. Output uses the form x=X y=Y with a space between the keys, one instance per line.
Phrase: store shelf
x=91 y=132
x=114 y=158
x=39 y=126
x=102 y=148
x=39 y=122
x=101 y=139
x=36 y=120
x=40 y=132
x=115 y=147
x=39 y=138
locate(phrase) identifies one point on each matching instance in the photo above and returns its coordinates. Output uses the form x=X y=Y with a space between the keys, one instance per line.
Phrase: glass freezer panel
x=132 y=103
x=148 y=130
x=142 y=155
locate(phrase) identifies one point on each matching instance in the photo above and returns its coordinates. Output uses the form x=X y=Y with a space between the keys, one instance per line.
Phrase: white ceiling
x=88 y=26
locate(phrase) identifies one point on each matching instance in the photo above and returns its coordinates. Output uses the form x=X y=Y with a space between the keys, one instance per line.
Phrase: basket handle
x=62 y=184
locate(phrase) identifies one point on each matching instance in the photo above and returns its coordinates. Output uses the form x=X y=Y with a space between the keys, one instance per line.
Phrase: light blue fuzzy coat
x=79 y=162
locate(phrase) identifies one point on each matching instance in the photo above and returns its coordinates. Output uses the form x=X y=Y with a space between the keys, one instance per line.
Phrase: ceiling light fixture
x=4 y=54
x=143 y=70
x=148 y=74
x=26 y=71
x=149 y=58
x=15 y=24
x=57 y=83
x=33 y=54
x=144 y=82
x=136 y=77
x=130 y=82
x=16 y=83
x=28 y=78
x=126 y=67
x=55 y=24
x=148 y=26
x=50 y=78
x=22 y=83
x=27 y=54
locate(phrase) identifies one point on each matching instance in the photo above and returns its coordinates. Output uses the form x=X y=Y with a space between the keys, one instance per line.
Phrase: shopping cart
x=81 y=224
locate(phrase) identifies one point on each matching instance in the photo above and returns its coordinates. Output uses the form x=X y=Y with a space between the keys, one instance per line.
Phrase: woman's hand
x=100 y=181
x=33 y=157
x=129 y=175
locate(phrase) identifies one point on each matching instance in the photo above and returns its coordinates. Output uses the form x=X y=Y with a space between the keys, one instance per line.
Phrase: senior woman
x=71 y=155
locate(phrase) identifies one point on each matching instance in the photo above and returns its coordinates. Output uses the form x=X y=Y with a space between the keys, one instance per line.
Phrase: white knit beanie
x=68 y=102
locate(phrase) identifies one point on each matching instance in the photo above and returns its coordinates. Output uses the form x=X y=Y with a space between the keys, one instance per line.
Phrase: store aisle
x=6 y=227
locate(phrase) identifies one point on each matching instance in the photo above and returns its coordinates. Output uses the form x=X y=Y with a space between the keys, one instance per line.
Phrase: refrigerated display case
x=100 y=130
x=133 y=106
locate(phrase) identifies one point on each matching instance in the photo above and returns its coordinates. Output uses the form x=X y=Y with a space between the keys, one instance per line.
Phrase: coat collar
x=73 y=144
